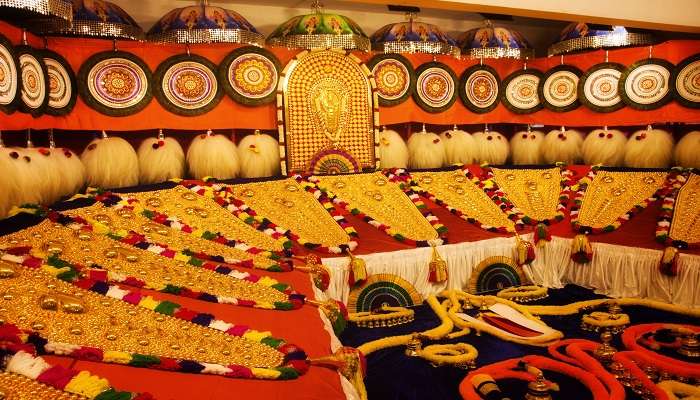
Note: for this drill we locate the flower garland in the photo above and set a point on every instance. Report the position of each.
(132, 204)
(461, 355)
(675, 390)
(580, 187)
(663, 224)
(523, 293)
(224, 197)
(575, 308)
(295, 363)
(598, 320)
(506, 208)
(32, 367)
(491, 188)
(394, 176)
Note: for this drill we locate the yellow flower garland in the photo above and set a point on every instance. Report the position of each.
(523, 293)
(574, 308)
(598, 320)
(458, 354)
(674, 389)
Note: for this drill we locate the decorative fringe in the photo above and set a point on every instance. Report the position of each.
(259, 155)
(393, 152)
(687, 152)
(491, 147)
(669, 261)
(160, 159)
(110, 162)
(650, 148)
(437, 267)
(351, 363)
(562, 146)
(604, 146)
(525, 147)
(524, 251)
(459, 147)
(542, 235)
(425, 150)
(10, 185)
(214, 156)
(358, 270)
(581, 250)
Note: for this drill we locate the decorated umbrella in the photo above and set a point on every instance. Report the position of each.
(413, 37)
(21, 10)
(203, 23)
(320, 30)
(582, 36)
(491, 41)
(91, 18)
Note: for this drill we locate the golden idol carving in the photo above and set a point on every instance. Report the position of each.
(328, 101)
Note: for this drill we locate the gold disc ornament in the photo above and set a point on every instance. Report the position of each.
(34, 79)
(687, 82)
(62, 88)
(645, 85)
(115, 83)
(480, 88)
(598, 87)
(9, 76)
(520, 91)
(250, 75)
(394, 76)
(186, 85)
(435, 87)
(558, 88)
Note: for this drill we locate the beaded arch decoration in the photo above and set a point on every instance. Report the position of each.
(383, 290)
(329, 101)
(495, 273)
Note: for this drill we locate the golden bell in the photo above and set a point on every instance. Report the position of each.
(690, 346)
(538, 389)
(414, 345)
(605, 352)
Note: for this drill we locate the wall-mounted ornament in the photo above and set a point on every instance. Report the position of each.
(9, 77)
(435, 87)
(598, 87)
(91, 18)
(413, 37)
(115, 83)
(558, 88)
(203, 23)
(250, 75)
(646, 84)
(186, 84)
(394, 76)
(686, 79)
(34, 80)
(62, 87)
(480, 88)
(520, 91)
(578, 36)
(491, 41)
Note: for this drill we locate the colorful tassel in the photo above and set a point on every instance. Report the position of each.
(335, 311)
(358, 270)
(669, 262)
(437, 267)
(581, 250)
(525, 251)
(351, 363)
(542, 235)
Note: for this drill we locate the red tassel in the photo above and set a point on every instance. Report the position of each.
(542, 235)
(524, 251)
(437, 268)
(581, 250)
(669, 262)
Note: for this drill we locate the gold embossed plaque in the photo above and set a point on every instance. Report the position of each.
(287, 204)
(686, 213)
(455, 190)
(535, 192)
(327, 114)
(612, 194)
(384, 201)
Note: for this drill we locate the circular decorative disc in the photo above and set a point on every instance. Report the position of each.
(34, 80)
(9, 76)
(115, 83)
(558, 88)
(687, 82)
(187, 85)
(435, 87)
(644, 85)
(598, 87)
(479, 88)
(394, 76)
(62, 86)
(250, 75)
(520, 94)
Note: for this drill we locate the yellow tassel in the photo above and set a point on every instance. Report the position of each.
(437, 267)
(669, 255)
(358, 270)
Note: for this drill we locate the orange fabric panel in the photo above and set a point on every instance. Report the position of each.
(229, 114)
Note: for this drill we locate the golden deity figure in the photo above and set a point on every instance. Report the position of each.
(329, 104)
